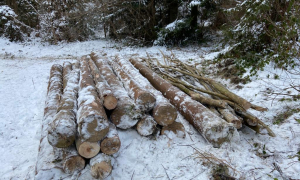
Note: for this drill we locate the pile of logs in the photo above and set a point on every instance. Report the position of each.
(215, 96)
(86, 102)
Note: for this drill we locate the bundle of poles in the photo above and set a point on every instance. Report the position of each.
(86, 103)
(215, 96)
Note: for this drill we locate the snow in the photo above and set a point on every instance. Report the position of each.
(24, 73)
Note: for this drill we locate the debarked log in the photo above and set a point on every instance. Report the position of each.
(101, 166)
(105, 92)
(214, 129)
(143, 98)
(111, 143)
(125, 115)
(164, 113)
(91, 117)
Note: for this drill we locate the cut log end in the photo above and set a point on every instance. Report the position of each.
(146, 126)
(164, 114)
(218, 134)
(125, 117)
(101, 166)
(110, 145)
(110, 102)
(145, 101)
(93, 128)
(88, 149)
(73, 164)
(62, 133)
(176, 129)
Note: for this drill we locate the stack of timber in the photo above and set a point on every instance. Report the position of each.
(74, 127)
(215, 96)
(163, 113)
(151, 109)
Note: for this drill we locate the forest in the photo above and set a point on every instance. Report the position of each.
(150, 89)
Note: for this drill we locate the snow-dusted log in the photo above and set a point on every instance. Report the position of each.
(91, 117)
(164, 113)
(87, 149)
(212, 128)
(105, 92)
(230, 117)
(70, 159)
(146, 126)
(67, 68)
(111, 143)
(101, 166)
(51, 161)
(176, 129)
(62, 131)
(125, 115)
(143, 98)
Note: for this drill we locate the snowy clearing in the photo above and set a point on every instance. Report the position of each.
(24, 73)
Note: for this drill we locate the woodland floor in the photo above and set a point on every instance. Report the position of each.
(24, 73)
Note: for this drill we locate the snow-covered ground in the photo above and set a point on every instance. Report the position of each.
(24, 72)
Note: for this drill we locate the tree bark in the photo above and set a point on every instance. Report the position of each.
(143, 99)
(62, 130)
(52, 160)
(176, 128)
(164, 113)
(105, 92)
(87, 149)
(91, 117)
(231, 118)
(146, 126)
(111, 143)
(101, 166)
(212, 128)
(125, 115)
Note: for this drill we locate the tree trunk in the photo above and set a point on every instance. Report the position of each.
(87, 149)
(111, 143)
(91, 116)
(62, 130)
(212, 128)
(143, 99)
(146, 126)
(176, 129)
(52, 160)
(69, 158)
(101, 166)
(231, 118)
(105, 92)
(163, 112)
(125, 115)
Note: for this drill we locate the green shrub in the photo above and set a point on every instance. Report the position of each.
(267, 32)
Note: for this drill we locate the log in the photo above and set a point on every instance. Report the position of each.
(87, 149)
(62, 130)
(164, 113)
(67, 68)
(125, 115)
(101, 166)
(91, 117)
(105, 92)
(230, 117)
(143, 98)
(111, 143)
(146, 126)
(69, 159)
(51, 161)
(214, 129)
(176, 129)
